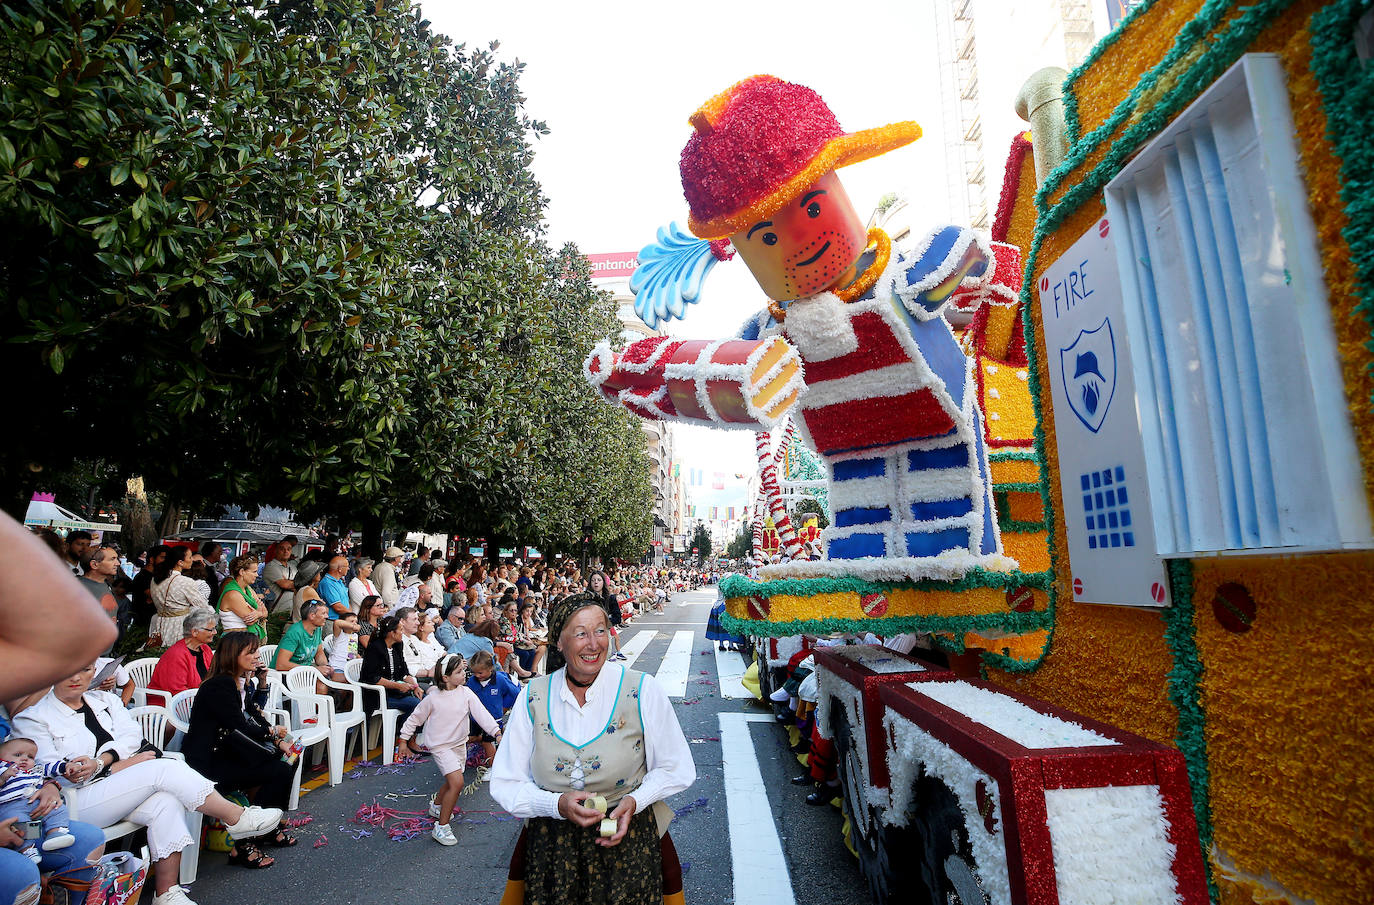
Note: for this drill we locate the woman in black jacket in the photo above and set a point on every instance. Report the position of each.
(384, 664)
(599, 586)
(231, 743)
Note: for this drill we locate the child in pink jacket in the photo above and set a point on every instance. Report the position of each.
(445, 713)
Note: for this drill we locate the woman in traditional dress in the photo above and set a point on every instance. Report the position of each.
(591, 729)
(715, 629)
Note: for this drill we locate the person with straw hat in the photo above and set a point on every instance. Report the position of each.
(589, 754)
(852, 341)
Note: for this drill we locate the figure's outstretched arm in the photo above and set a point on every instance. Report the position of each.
(743, 383)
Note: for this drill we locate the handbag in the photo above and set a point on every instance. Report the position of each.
(246, 746)
(117, 879)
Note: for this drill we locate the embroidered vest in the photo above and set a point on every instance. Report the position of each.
(612, 764)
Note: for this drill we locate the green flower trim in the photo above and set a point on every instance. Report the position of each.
(1011, 526)
(1071, 80)
(740, 586)
(1185, 682)
(1017, 487)
(1013, 455)
(1223, 49)
(895, 625)
(1347, 88)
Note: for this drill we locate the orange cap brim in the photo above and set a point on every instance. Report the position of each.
(853, 147)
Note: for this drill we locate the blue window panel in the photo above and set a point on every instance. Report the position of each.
(924, 512)
(948, 457)
(1121, 495)
(1092, 541)
(1125, 518)
(1128, 539)
(856, 546)
(1084, 481)
(1120, 475)
(1098, 498)
(847, 518)
(1102, 541)
(1090, 523)
(1087, 504)
(1111, 497)
(936, 542)
(1111, 519)
(1116, 540)
(1097, 479)
(1106, 477)
(853, 469)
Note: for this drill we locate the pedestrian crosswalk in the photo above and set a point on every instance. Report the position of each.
(636, 644)
(672, 672)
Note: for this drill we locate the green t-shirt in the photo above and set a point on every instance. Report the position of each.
(302, 643)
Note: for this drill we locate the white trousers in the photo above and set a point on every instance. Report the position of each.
(156, 794)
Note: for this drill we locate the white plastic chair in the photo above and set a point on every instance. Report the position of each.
(300, 688)
(388, 715)
(268, 654)
(141, 672)
(179, 709)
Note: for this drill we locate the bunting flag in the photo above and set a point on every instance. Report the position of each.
(677, 470)
(694, 477)
(718, 481)
(713, 513)
(730, 513)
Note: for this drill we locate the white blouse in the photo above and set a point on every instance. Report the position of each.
(357, 590)
(666, 752)
(61, 734)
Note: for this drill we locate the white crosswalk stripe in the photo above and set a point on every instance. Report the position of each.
(635, 646)
(729, 670)
(760, 870)
(672, 672)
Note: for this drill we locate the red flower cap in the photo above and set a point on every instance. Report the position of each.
(761, 142)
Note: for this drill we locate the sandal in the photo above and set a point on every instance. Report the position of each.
(281, 839)
(247, 854)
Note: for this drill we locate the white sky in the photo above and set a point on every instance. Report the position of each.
(615, 81)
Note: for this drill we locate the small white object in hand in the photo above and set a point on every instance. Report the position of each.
(608, 828)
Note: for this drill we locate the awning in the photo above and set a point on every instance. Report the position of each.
(44, 513)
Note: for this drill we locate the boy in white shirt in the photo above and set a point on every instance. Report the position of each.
(343, 646)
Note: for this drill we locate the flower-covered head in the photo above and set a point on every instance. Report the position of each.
(759, 169)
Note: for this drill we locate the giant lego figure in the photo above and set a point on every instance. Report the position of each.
(853, 342)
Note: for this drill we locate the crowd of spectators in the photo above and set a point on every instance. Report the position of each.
(416, 621)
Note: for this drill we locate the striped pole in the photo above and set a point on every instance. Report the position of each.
(768, 481)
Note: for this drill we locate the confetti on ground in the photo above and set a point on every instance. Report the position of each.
(699, 804)
(321, 842)
(299, 820)
(705, 738)
(705, 672)
(691, 700)
(686, 866)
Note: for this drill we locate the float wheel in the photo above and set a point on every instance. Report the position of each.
(881, 847)
(946, 870)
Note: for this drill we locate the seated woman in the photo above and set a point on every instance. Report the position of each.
(372, 610)
(233, 744)
(174, 595)
(240, 609)
(184, 665)
(508, 627)
(384, 664)
(530, 640)
(422, 649)
(117, 778)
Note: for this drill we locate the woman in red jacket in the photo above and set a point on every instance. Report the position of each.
(185, 665)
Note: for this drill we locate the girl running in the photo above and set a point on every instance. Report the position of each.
(445, 713)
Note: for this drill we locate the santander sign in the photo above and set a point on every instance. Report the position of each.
(617, 265)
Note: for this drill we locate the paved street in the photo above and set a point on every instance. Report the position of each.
(758, 843)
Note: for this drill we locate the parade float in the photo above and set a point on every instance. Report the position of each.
(1157, 456)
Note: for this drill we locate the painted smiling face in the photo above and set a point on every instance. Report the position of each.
(809, 245)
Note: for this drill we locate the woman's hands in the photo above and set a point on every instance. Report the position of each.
(570, 807)
(621, 815)
(46, 801)
(125, 762)
(80, 769)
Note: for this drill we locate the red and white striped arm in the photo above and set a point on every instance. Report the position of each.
(725, 383)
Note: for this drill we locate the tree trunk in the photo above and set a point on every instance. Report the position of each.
(372, 536)
(494, 544)
(171, 519)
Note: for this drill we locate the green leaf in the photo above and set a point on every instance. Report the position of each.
(119, 173)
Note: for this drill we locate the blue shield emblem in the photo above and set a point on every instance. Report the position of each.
(1089, 370)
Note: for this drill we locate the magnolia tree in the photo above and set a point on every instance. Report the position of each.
(280, 252)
